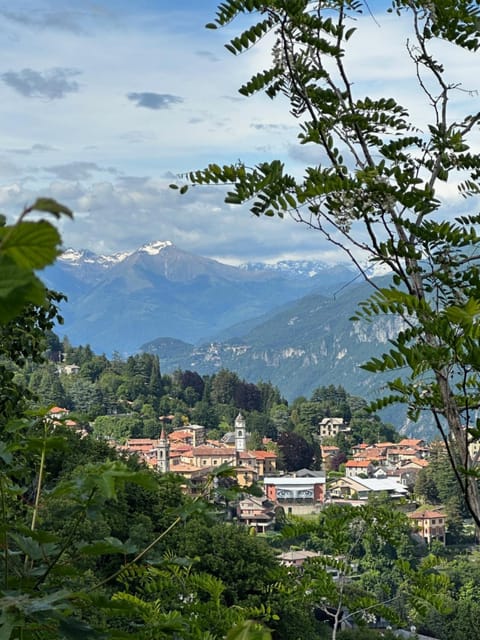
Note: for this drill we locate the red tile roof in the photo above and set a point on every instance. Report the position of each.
(427, 514)
(180, 435)
(205, 450)
(419, 462)
(358, 463)
(410, 442)
(264, 455)
(55, 410)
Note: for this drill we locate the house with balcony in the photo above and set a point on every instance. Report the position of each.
(355, 468)
(263, 462)
(297, 495)
(256, 512)
(430, 524)
(331, 427)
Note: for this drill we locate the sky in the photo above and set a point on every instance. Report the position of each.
(104, 103)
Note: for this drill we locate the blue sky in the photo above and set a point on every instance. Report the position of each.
(102, 103)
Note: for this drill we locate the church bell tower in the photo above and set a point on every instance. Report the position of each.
(240, 433)
(163, 453)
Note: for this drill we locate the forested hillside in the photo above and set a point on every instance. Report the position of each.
(101, 546)
(123, 398)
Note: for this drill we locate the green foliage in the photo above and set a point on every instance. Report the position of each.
(67, 504)
(25, 247)
(296, 452)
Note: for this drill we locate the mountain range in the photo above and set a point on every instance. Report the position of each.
(288, 323)
(119, 302)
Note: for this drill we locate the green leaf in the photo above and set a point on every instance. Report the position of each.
(51, 206)
(32, 245)
(249, 630)
(8, 621)
(18, 288)
(108, 546)
(74, 629)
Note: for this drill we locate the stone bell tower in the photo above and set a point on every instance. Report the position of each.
(163, 453)
(240, 434)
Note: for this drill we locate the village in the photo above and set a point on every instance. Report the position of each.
(383, 468)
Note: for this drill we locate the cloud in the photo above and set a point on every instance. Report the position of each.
(138, 137)
(51, 84)
(272, 127)
(7, 168)
(73, 21)
(35, 148)
(208, 55)
(77, 170)
(151, 100)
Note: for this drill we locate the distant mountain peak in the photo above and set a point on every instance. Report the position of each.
(155, 247)
(84, 256)
(75, 257)
(301, 267)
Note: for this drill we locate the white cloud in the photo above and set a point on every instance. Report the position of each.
(112, 162)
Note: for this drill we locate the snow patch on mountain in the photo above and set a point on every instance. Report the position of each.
(115, 259)
(77, 257)
(72, 255)
(154, 248)
(308, 268)
(294, 268)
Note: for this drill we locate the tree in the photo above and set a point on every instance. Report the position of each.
(296, 452)
(223, 386)
(372, 543)
(280, 416)
(262, 425)
(193, 380)
(376, 189)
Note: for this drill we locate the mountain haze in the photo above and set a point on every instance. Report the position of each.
(288, 323)
(117, 303)
(308, 343)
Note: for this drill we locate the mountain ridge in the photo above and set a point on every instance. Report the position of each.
(118, 302)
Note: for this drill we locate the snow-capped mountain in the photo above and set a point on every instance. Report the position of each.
(309, 268)
(84, 256)
(117, 302)
(154, 248)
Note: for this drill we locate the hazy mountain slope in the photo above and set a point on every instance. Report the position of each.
(309, 343)
(116, 303)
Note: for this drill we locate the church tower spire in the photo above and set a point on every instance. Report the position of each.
(163, 453)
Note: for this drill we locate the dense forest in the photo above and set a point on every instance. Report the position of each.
(122, 398)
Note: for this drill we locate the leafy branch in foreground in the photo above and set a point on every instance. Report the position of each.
(27, 246)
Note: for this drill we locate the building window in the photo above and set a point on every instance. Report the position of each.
(215, 461)
(239, 434)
